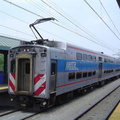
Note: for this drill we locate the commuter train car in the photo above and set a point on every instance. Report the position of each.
(45, 72)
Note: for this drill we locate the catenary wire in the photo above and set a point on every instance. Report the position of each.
(102, 19)
(109, 17)
(53, 22)
(70, 20)
(28, 24)
(15, 30)
(57, 24)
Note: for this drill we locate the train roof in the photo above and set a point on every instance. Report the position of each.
(79, 48)
(61, 45)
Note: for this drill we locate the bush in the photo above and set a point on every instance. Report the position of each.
(1, 62)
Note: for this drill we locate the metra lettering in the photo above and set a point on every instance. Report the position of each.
(71, 66)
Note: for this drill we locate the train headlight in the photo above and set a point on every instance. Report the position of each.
(24, 50)
(11, 55)
(28, 50)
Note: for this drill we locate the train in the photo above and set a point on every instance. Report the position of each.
(41, 73)
(44, 72)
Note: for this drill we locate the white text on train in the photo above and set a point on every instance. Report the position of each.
(71, 66)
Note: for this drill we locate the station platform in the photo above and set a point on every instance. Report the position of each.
(3, 88)
(116, 113)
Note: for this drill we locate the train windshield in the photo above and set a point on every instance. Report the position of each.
(12, 66)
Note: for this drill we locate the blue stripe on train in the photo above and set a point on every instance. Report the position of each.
(73, 65)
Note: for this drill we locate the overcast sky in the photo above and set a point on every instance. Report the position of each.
(76, 22)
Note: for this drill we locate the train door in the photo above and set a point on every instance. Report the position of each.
(24, 74)
(53, 76)
(100, 67)
(53, 82)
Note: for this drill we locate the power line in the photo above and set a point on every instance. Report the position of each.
(109, 17)
(42, 17)
(27, 24)
(101, 44)
(13, 16)
(16, 30)
(101, 19)
(23, 8)
(36, 5)
(70, 20)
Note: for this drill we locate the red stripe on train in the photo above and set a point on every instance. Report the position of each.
(11, 85)
(40, 89)
(37, 78)
(14, 76)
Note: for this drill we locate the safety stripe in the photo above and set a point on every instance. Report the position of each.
(11, 85)
(39, 84)
(12, 82)
(37, 78)
(40, 89)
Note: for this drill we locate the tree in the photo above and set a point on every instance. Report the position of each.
(1, 62)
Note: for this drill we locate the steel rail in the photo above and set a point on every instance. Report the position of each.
(86, 111)
(112, 110)
(7, 113)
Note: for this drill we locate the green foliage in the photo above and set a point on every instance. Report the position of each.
(1, 62)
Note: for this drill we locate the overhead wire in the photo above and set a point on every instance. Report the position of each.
(15, 30)
(37, 6)
(56, 24)
(70, 20)
(102, 19)
(109, 17)
(27, 24)
(42, 17)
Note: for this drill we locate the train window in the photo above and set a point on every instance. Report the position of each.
(108, 60)
(13, 66)
(94, 58)
(85, 57)
(71, 76)
(79, 56)
(100, 58)
(89, 74)
(27, 68)
(117, 70)
(53, 67)
(79, 75)
(90, 57)
(94, 72)
(85, 74)
(105, 60)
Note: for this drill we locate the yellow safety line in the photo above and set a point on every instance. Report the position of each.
(116, 114)
(2, 88)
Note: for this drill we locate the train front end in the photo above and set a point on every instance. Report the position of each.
(27, 75)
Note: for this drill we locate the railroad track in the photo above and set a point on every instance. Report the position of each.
(108, 116)
(7, 112)
(18, 114)
(67, 111)
(91, 113)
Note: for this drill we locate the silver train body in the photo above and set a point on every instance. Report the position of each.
(43, 73)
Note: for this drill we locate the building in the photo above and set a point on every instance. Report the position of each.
(5, 44)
